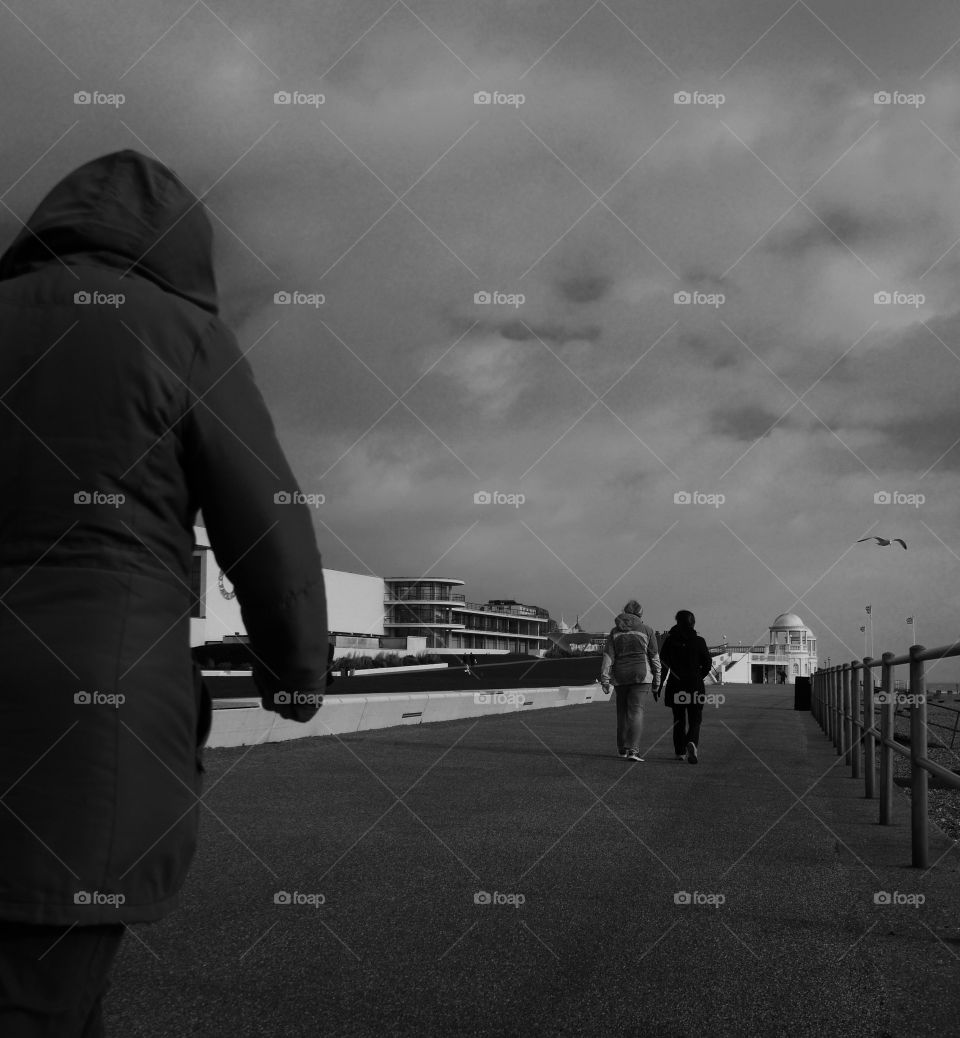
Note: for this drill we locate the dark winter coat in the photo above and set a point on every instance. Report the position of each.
(127, 406)
(689, 660)
(630, 653)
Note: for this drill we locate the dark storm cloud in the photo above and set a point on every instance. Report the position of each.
(584, 288)
(554, 333)
(742, 423)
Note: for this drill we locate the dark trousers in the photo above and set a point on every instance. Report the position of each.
(53, 978)
(686, 725)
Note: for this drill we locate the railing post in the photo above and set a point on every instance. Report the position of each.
(831, 708)
(847, 728)
(855, 726)
(835, 706)
(919, 776)
(886, 736)
(870, 740)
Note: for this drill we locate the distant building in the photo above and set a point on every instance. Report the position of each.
(452, 625)
(371, 616)
(790, 652)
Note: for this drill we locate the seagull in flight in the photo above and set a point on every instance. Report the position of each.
(884, 542)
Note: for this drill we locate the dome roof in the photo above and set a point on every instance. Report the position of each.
(788, 620)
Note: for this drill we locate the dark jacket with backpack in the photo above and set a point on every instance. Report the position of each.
(689, 660)
(128, 406)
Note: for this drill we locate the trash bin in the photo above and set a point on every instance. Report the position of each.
(801, 693)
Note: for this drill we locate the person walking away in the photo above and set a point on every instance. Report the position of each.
(686, 656)
(127, 407)
(630, 658)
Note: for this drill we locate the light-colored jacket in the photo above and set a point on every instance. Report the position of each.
(630, 655)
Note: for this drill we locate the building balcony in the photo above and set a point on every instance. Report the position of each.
(411, 600)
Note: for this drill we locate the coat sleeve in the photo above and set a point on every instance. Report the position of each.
(706, 660)
(606, 664)
(261, 534)
(653, 658)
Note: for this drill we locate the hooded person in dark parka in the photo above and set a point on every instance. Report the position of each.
(687, 656)
(126, 407)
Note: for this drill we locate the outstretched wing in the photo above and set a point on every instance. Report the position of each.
(900, 540)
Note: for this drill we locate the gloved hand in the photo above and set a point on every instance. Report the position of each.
(292, 707)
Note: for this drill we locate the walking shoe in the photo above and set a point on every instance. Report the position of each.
(621, 753)
(691, 753)
(634, 755)
(680, 756)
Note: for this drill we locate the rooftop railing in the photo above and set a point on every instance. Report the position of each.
(844, 700)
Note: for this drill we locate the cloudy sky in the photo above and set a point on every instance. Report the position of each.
(781, 399)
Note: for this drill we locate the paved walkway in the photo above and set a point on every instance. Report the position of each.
(399, 829)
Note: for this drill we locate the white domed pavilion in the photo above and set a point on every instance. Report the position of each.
(790, 652)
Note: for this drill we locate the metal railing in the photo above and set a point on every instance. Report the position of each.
(843, 701)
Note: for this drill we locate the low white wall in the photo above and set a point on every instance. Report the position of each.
(243, 725)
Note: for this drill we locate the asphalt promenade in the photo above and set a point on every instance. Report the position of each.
(383, 841)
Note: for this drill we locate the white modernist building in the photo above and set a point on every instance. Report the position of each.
(790, 652)
(370, 616)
